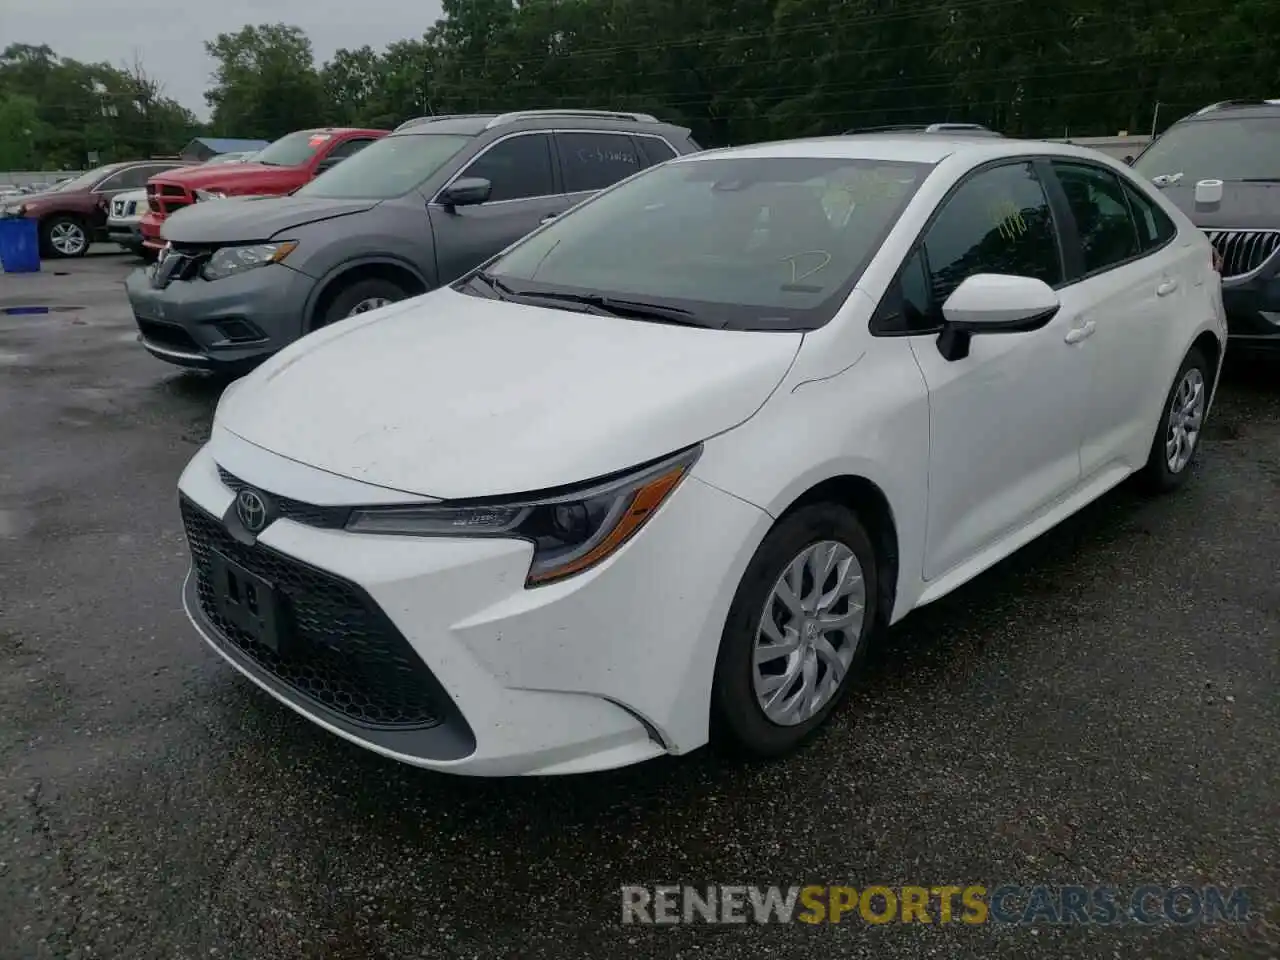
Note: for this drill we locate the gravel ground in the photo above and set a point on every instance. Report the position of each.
(1102, 708)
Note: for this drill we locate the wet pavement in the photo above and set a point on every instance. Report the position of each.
(1103, 708)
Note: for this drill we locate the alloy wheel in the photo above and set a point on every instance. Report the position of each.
(372, 303)
(1186, 415)
(67, 238)
(809, 632)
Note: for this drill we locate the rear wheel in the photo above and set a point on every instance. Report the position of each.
(1177, 439)
(361, 297)
(63, 236)
(796, 632)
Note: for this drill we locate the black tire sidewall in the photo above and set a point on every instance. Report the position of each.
(737, 720)
(340, 306)
(1157, 475)
(46, 232)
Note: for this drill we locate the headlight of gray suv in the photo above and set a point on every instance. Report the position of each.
(233, 261)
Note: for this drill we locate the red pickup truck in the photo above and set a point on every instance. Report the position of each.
(280, 168)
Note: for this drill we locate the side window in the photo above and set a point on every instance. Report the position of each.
(1155, 229)
(117, 181)
(998, 221)
(346, 149)
(1107, 233)
(518, 168)
(655, 151)
(593, 161)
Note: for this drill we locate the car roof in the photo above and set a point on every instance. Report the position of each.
(930, 148)
(1233, 110)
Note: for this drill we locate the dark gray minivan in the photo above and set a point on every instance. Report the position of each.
(242, 278)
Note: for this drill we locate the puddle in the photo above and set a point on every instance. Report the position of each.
(27, 311)
(14, 523)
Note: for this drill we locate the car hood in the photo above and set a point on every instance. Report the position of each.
(1244, 206)
(242, 219)
(231, 175)
(454, 396)
(41, 197)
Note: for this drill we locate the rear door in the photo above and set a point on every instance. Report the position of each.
(1127, 289)
(591, 160)
(525, 193)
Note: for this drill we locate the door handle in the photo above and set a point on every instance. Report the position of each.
(1076, 334)
(548, 218)
(1166, 287)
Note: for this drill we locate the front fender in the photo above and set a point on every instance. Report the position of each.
(337, 272)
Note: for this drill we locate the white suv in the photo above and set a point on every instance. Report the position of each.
(661, 470)
(124, 221)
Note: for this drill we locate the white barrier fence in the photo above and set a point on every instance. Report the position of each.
(20, 178)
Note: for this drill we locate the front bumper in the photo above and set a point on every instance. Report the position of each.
(149, 226)
(127, 235)
(1253, 311)
(608, 668)
(231, 324)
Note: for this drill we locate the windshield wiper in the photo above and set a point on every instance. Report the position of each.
(620, 307)
(1259, 180)
(503, 291)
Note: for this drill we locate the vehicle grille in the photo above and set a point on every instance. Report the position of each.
(345, 655)
(332, 518)
(1243, 251)
(167, 197)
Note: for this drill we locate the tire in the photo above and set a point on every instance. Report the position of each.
(360, 297)
(1183, 409)
(63, 237)
(739, 718)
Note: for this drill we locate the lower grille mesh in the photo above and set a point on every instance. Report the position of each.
(346, 655)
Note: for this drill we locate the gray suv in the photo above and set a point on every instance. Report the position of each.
(242, 278)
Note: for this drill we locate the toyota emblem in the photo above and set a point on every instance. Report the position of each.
(251, 508)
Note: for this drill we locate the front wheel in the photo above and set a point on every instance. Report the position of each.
(796, 631)
(361, 297)
(1177, 438)
(64, 237)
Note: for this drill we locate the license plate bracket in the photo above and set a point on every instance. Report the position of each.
(249, 603)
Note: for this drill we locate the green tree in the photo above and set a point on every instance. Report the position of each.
(118, 113)
(265, 84)
(19, 128)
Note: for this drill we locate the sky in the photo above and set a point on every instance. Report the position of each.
(168, 35)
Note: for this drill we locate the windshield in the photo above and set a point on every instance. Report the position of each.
(1237, 149)
(87, 180)
(293, 150)
(387, 168)
(742, 243)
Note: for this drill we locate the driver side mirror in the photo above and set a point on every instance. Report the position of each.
(465, 192)
(987, 303)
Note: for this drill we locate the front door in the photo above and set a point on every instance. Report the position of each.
(524, 195)
(1004, 422)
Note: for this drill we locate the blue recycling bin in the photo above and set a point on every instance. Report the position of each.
(19, 245)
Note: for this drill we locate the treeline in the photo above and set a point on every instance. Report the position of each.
(734, 70)
(739, 70)
(55, 112)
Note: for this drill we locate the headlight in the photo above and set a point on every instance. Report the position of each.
(570, 532)
(210, 195)
(230, 261)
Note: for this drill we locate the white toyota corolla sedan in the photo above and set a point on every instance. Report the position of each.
(660, 471)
